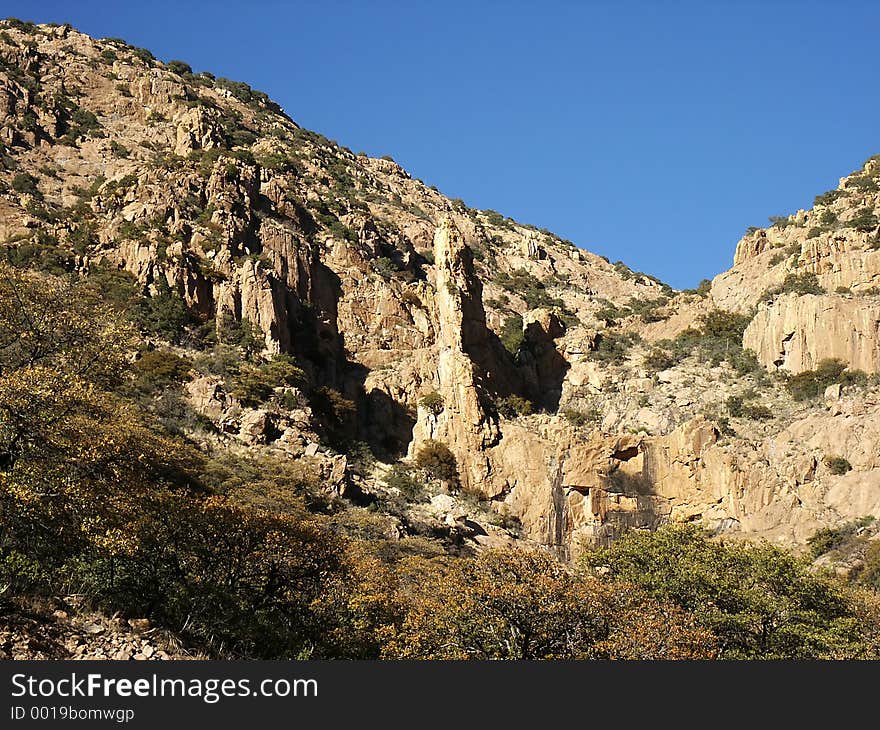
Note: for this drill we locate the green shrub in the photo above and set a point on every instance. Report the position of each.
(400, 477)
(582, 418)
(718, 340)
(812, 383)
(240, 333)
(257, 384)
(828, 218)
(179, 67)
(826, 539)
(385, 267)
(734, 406)
(611, 348)
(610, 313)
(437, 461)
(863, 183)
(532, 290)
(870, 575)
(79, 122)
(781, 221)
(837, 465)
(26, 184)
(795, 284)
(118, 150)
(158, 369)
(739, 592)
(165, 315)
(704, 287)
(512, 406)
(512, 336)
(658, 359)
(865, 220)
(432, 402)
(827, 198)
(337, 414)
(756, 412)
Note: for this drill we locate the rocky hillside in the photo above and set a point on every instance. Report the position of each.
(448, 369)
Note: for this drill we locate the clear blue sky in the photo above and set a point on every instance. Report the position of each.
(649, 132)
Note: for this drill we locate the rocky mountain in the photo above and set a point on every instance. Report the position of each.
(534, 390)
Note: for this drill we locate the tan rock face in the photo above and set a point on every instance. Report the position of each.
(463, 424)
(794, 333)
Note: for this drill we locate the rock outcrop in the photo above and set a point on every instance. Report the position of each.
(794, 333)
(463, 423)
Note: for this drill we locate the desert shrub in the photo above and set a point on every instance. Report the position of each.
(531, 289)
(647, 309)
(385, 267)
(795, 284)
(812, 383)
(336, 413)
(118, 150)
(512, 406)
(165, 315)
(432, 402)
(870, 574)
(827, 198)
(494, 218)
(437, 461)
(718, 340)
(240, 333)
(159, 369)
(179, 67)
(512, 336)
(828, 219)
(756, 412)
(26, 184)
(864, 220)
(609, 313)
(256, 384)
(734, 406)
(863, 183)
(837, 465)
(611, 348)
(739, 592)
(658, 359)
(276, 484)
(78, 122)
(826, 539)
(238, 581)
(524, 605)
(582, 417)
(401, 478)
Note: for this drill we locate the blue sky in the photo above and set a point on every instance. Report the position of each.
(651, 132)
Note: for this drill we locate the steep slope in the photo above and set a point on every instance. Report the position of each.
(576, 397)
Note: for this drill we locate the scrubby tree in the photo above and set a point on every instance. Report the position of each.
(760, 601)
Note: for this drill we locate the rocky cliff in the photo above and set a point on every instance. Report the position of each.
(577, 397)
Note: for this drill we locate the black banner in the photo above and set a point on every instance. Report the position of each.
(396, 694)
